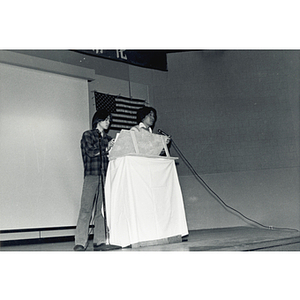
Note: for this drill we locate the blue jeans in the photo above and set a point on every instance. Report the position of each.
(91, 189)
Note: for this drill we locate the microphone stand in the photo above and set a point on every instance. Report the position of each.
(104, 246)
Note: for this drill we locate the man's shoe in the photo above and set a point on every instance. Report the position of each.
(106, 247)
(98, 247)
(79, 248)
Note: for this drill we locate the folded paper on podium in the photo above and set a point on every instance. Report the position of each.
(142, 143)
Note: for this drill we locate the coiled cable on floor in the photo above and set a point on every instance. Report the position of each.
(231, 209)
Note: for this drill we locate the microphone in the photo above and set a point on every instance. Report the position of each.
(163, 133)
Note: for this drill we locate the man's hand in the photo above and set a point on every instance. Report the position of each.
(110, 144)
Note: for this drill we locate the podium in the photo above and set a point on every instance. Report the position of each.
(144, 204)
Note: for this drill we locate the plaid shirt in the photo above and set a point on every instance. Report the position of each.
(90, 150)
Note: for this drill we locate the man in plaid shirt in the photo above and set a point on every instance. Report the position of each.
(95, 145)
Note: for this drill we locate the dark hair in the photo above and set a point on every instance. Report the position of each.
(143, 112)
(100, 115)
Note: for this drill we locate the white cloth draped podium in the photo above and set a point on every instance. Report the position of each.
(143, 200)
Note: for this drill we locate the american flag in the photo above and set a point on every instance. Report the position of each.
(123, 109)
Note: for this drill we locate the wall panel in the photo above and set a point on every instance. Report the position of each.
(42, 117)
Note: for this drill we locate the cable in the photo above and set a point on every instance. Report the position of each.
(92, 221)
(219, 198)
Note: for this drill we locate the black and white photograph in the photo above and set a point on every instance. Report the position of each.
(179, 163)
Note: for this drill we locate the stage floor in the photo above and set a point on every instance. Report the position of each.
(219, 239)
